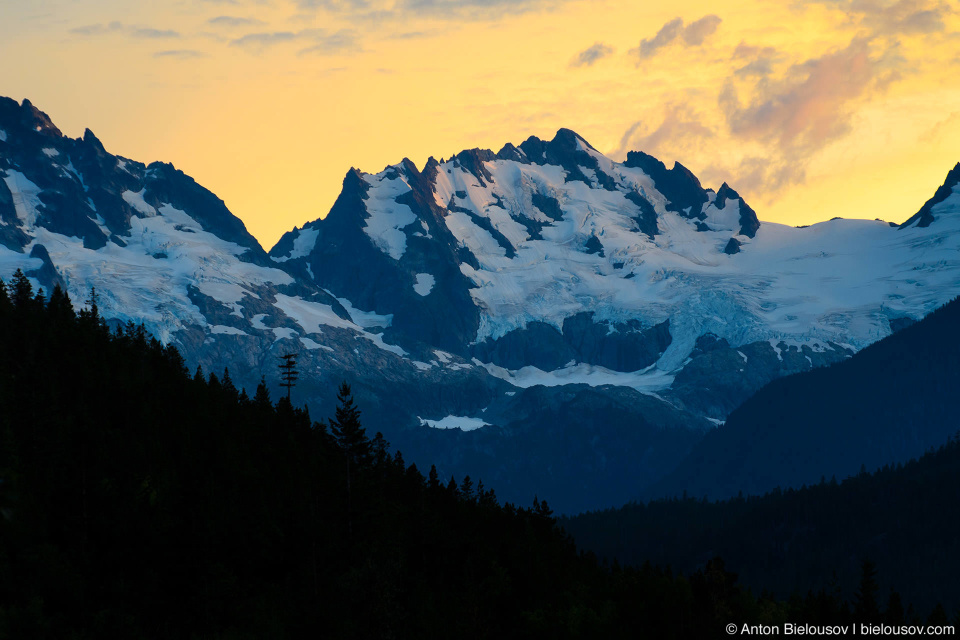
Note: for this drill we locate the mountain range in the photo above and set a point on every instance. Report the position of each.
(542, 317)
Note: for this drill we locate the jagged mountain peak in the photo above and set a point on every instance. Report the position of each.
(749, 223)
(570, 139)
(681, 187)
(925, 216)
(92, 141)
(26, 117)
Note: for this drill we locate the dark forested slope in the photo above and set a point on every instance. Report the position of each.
(137, 501)
(902, 518)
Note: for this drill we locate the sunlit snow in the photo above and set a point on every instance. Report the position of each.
(455, 422)
(424, 284)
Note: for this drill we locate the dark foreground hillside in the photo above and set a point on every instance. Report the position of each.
(137, 501)
(904, 519)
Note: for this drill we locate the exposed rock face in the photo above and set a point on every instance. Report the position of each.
(749, 223)
(679, 185)
(925, 216)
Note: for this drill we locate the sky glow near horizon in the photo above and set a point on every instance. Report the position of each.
(810, 109)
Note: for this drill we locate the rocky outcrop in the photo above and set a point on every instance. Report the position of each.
(679, 185)
(924, 217)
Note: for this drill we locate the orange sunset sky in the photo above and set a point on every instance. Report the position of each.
(811, 109)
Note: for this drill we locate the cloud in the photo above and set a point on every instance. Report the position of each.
(694, 34)
(180, 54)
(233, 21)
(317, 41)
(811, 105)
(757, 61)
(412, 35)
(937, 132)
(119, 27)
(259, 41)
(902, 17)
(765, 175)
(787, 119)
(472, 9)
(893, 17)
(680, 134)
(382, 10)
(667, 34)
(339, 6)
(154, 33)
(341, 41)
(592, 54)
(97, 29)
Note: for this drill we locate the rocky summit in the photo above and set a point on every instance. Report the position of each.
(542, 317)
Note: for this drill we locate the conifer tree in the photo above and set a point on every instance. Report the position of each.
(466, 488)
(5, 304)
(352, 439)
(866, 606)
(351, 436)
(60, 306)
(227, 383)
(893, 614)
(380, 446)
(22, 290)
(262, 397)
(92, 304)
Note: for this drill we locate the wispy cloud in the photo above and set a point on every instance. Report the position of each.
(334, 5)
(341, 41)
(414, 35)
(149, 33)
(938, 131)
(810, 105)
(893, 17)
(234, 21)
(680, 134)
(667, 34)
(260, 41)
(181, 54)
(118, 27)
(316, 41)
(756, 61)
(97, 29)
(383, 10)
(592, 54)
(800, 113)
(694, 34)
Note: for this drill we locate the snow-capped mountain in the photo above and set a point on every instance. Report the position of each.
(551, 264)
(579, 319)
